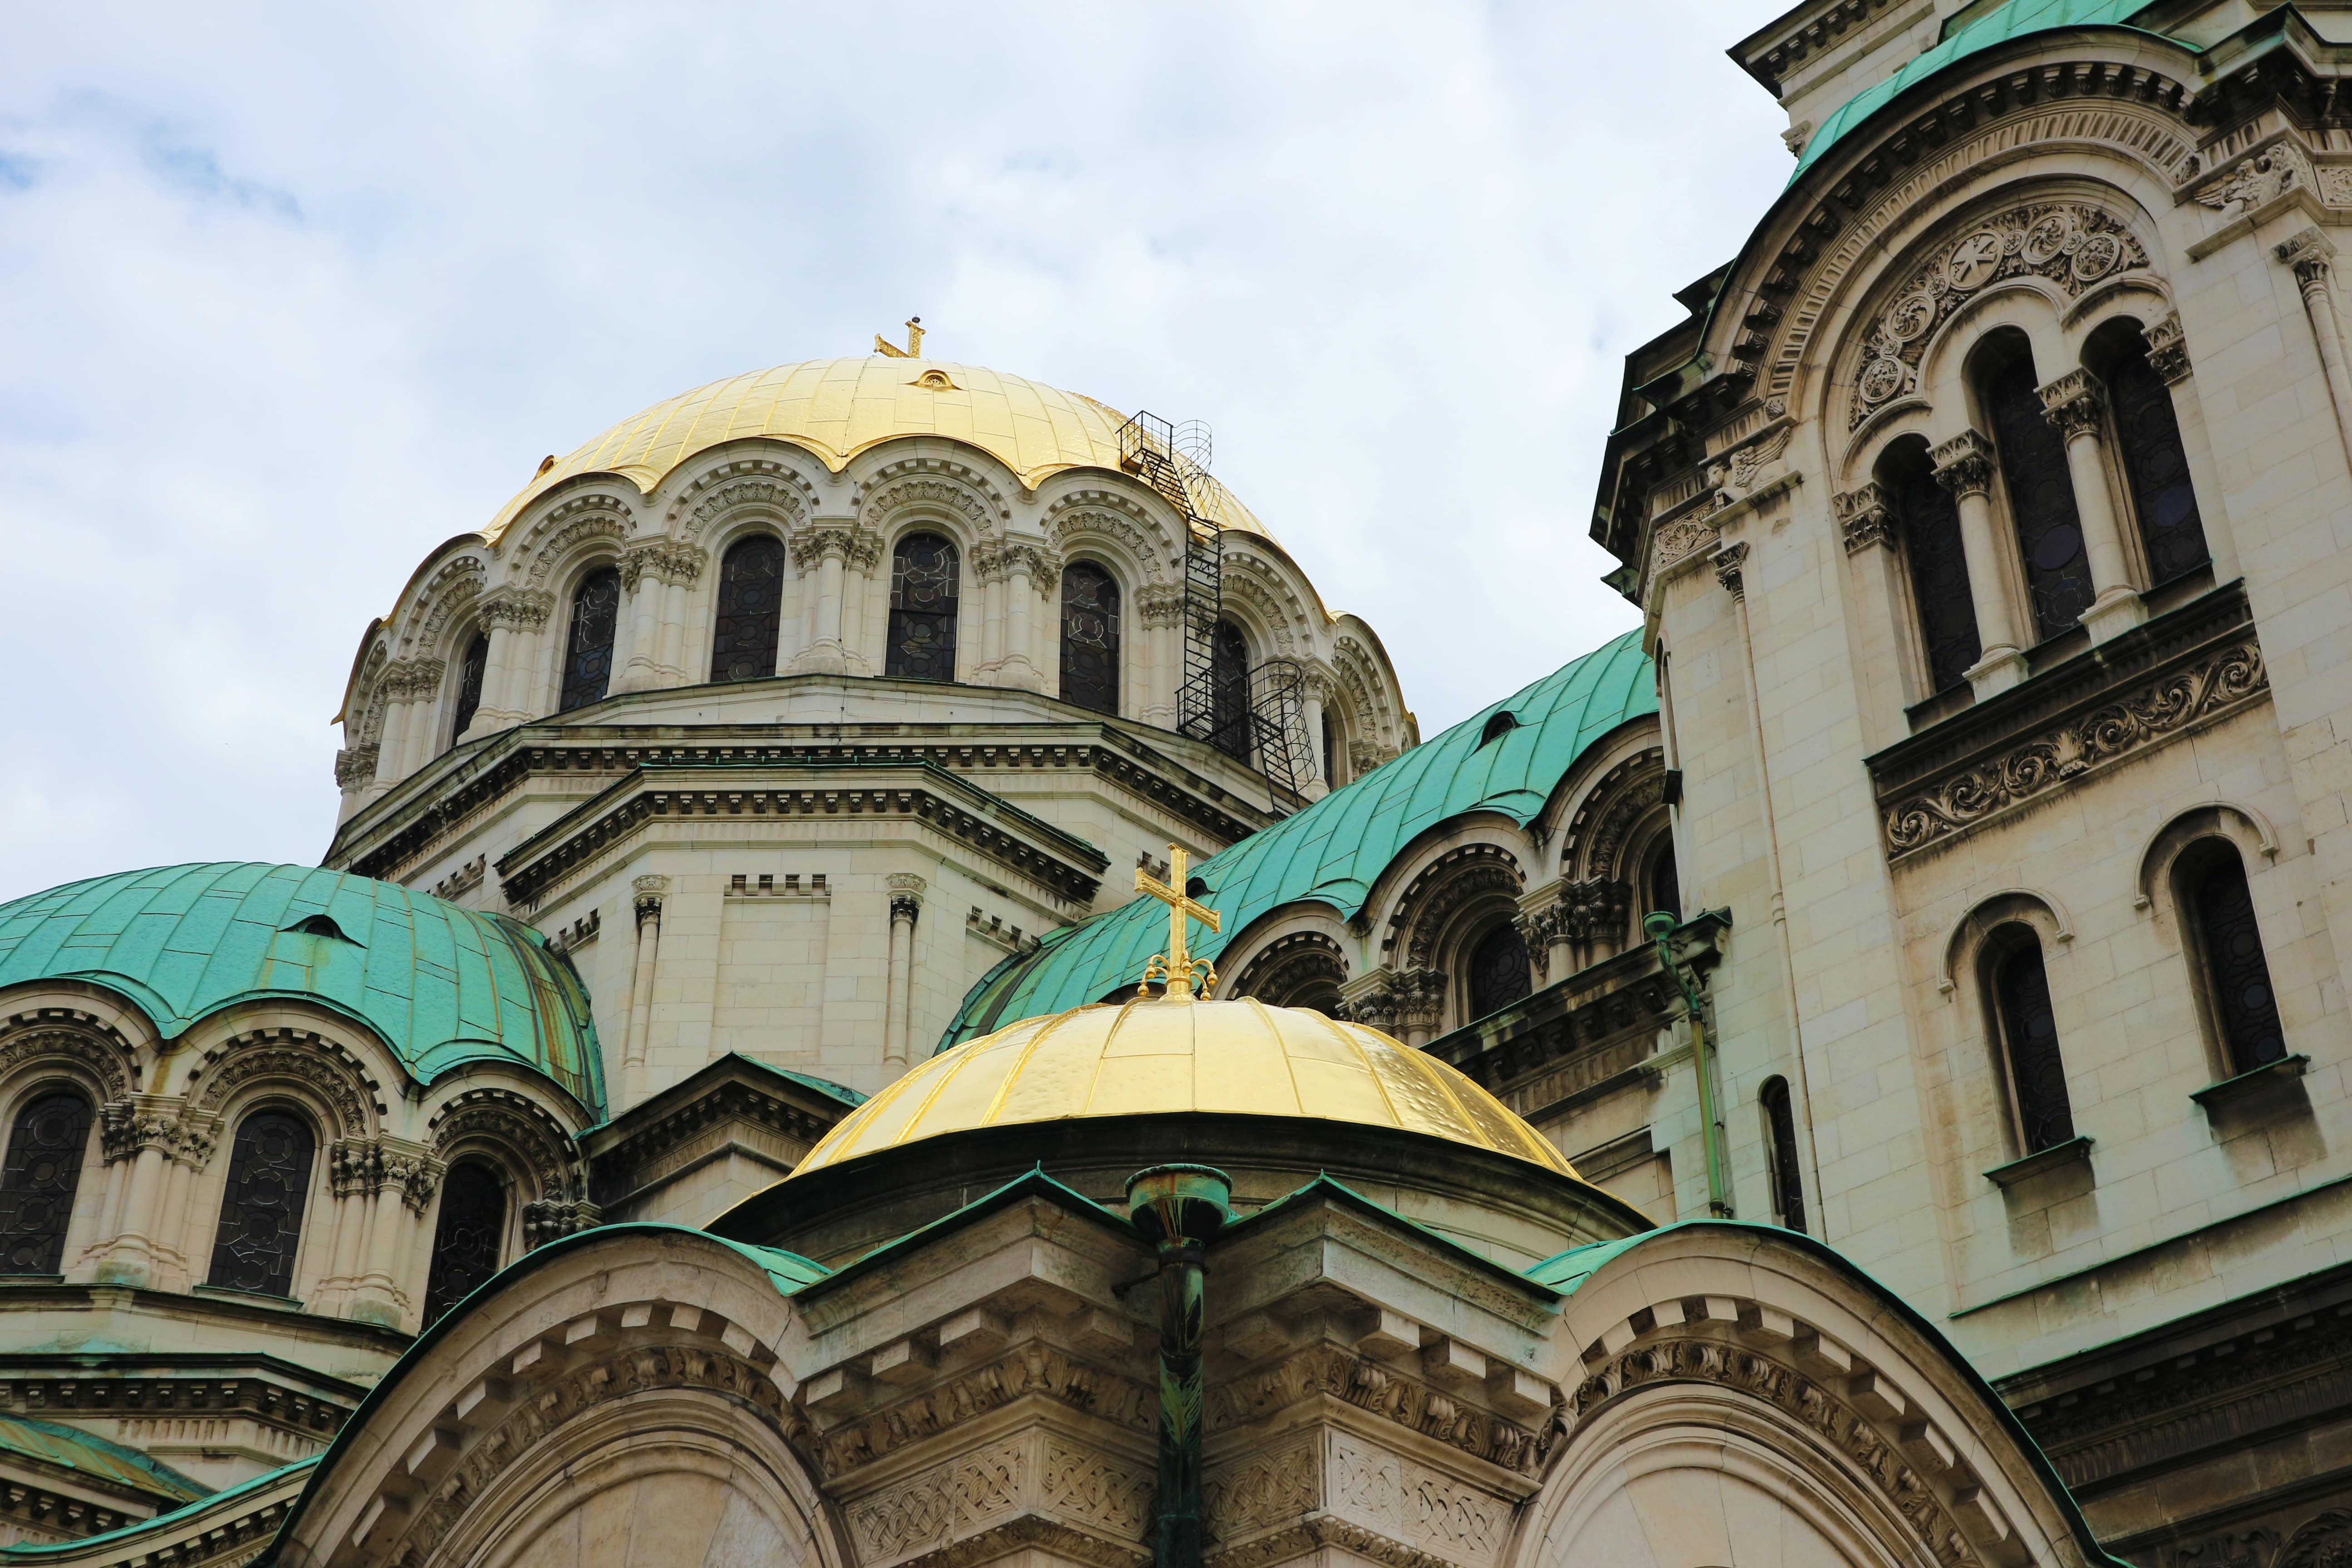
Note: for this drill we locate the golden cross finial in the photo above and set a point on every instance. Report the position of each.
(1177, 960)
(914, 349)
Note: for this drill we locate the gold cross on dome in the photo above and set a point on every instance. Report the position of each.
(914, 349)
(1177, 960)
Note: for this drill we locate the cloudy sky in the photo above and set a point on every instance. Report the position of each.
(290, 294)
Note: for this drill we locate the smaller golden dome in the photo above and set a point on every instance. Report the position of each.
(1172, 1054)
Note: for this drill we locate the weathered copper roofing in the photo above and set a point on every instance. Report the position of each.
(1333, 851)
(437, 983)
(71, 1448)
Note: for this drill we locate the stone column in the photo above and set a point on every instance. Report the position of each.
(137, 1128)
(649, 890)
(681, 569)
(1159, 612)
(1964, 467)
(1025, 567)
(515, 618)
(861, 554)
(2076, 404)
(906, 906)
(346, 1180)
(1311, 714)
(391, 741)
(823, 550)
(988, 570)
(2312, 256)
(423, 727)
(2167, 356)
(641, 580)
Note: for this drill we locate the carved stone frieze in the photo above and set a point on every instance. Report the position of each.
(296, 1056)
(1030, 1369)
(1264, 1490)
(1331, 1372)
(1679, 539)
(1304, 963)
(52, 1036)
(2070, 245)
(770, 492)
(2256, 180)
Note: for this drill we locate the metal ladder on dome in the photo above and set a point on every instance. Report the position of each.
(1258, 716)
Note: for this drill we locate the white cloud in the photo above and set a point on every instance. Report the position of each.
(293, 294)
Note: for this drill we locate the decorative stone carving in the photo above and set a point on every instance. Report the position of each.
(2073, 404)
(518, 609)
(1159, 605)
(1728, 562)
(1866, 518)
(84, 1046)
(905, 896)
(990, 563)
(1270, 1488)
(547, 1221)
(302, 1058)
(1964, 465)
(355, 766)
(2070, 244)
(1303, 962)
(519, 1129)
(364, 1167)
(2256, 181)
(2167, 352)
(663, 560)
(857, 548)
(1095, 1489)
(2309, 253)
(2156, 710)
(1031, 1368)
(939, 494)
(2322, 1541)
(771, 491)
(1680, 539)
(1331, 1372)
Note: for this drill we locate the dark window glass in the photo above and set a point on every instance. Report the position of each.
(2235, 969)
(2029, 1029)
(261, 1217)
(1229, 709)
(37, 1188)
(1330, 751)
(1665, 889)
(751, 604)
(1498, 970)
(469, 685)
(588, 652)
(2148, 437)
(1089, 637)
(466, 1236)
(923, 587)
(2040, 499)
(1939, 575)
(1780, 1125)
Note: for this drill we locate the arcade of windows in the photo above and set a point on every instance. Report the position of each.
(2011, 531)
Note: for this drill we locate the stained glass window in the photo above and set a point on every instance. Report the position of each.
(1781, 1130)
(923, 588)
(1089, 637)
(470, 670)
(1940, 573)
(1229, 705)
(261, 1216)
(2237, 975)
(751, 604)
(588, 651)
(467, 1238)
(36, 1185)
(2040, 499)
(2147, 435)
(1498, 970)
(2029, 1029)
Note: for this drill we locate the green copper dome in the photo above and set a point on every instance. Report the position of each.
(437, 984)
(1506, 759)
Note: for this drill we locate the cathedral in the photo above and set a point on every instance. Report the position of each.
(893, 989)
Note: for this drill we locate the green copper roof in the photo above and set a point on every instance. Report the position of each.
(438, 984)
(1334, 850)
(71, 1448)
(2014, 20)
(222, 1500)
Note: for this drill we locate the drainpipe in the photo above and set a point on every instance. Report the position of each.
(1660, 925)
(1178, 1208)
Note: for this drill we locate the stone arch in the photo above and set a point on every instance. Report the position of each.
(767, 487)
(1292, 967)
(315, 1071)
(950, 499)
(569, 538)
(443, 606)
(1127, 535)
(1271, 602)
(1374, 717)
(527, 1143)
(2242, 825)
(2030, 905)
(1456, 897)
(71, 1042)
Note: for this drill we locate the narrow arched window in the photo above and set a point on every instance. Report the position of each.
(1229, 704)
(588, 650)
(1089, 637)
(2029, 1040)
(2147, 439)
(750, 605)
(1780, 1155)
(466, 1236)
(470, 670)
(36, 1185)
(2237, 976)
(261, 1215)
(1938, 567)
(923, 589)
(1498, 970)
(1662, 884)
(2040, 498)
(1330, 751)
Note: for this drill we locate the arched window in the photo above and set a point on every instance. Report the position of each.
(1330, 751)
(2040, 497)
(1780, 1155)
(750, 605)
(2147, 439)
(1229, 705)
(588, 650)
(261, 1216)
(1662, 885)
(2221, 908)
(470, 670)
(466, 1236)
(1089, 637)
(1930, 521)
(2029, 1041)
(36, 1185)
(923, 588)
(1498, 970)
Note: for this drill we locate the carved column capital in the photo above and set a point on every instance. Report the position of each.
(649, 890)
(2073, 403)
(855, 547)
(2167, 352)
(1730, 563)
(355, 766)
(1964, 465)
(905, 896)
(664, 561)
(2311, 255)
(1866, 518)
(514, 609)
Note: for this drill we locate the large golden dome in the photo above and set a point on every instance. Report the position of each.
(838, 408)
(1151, 1056)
